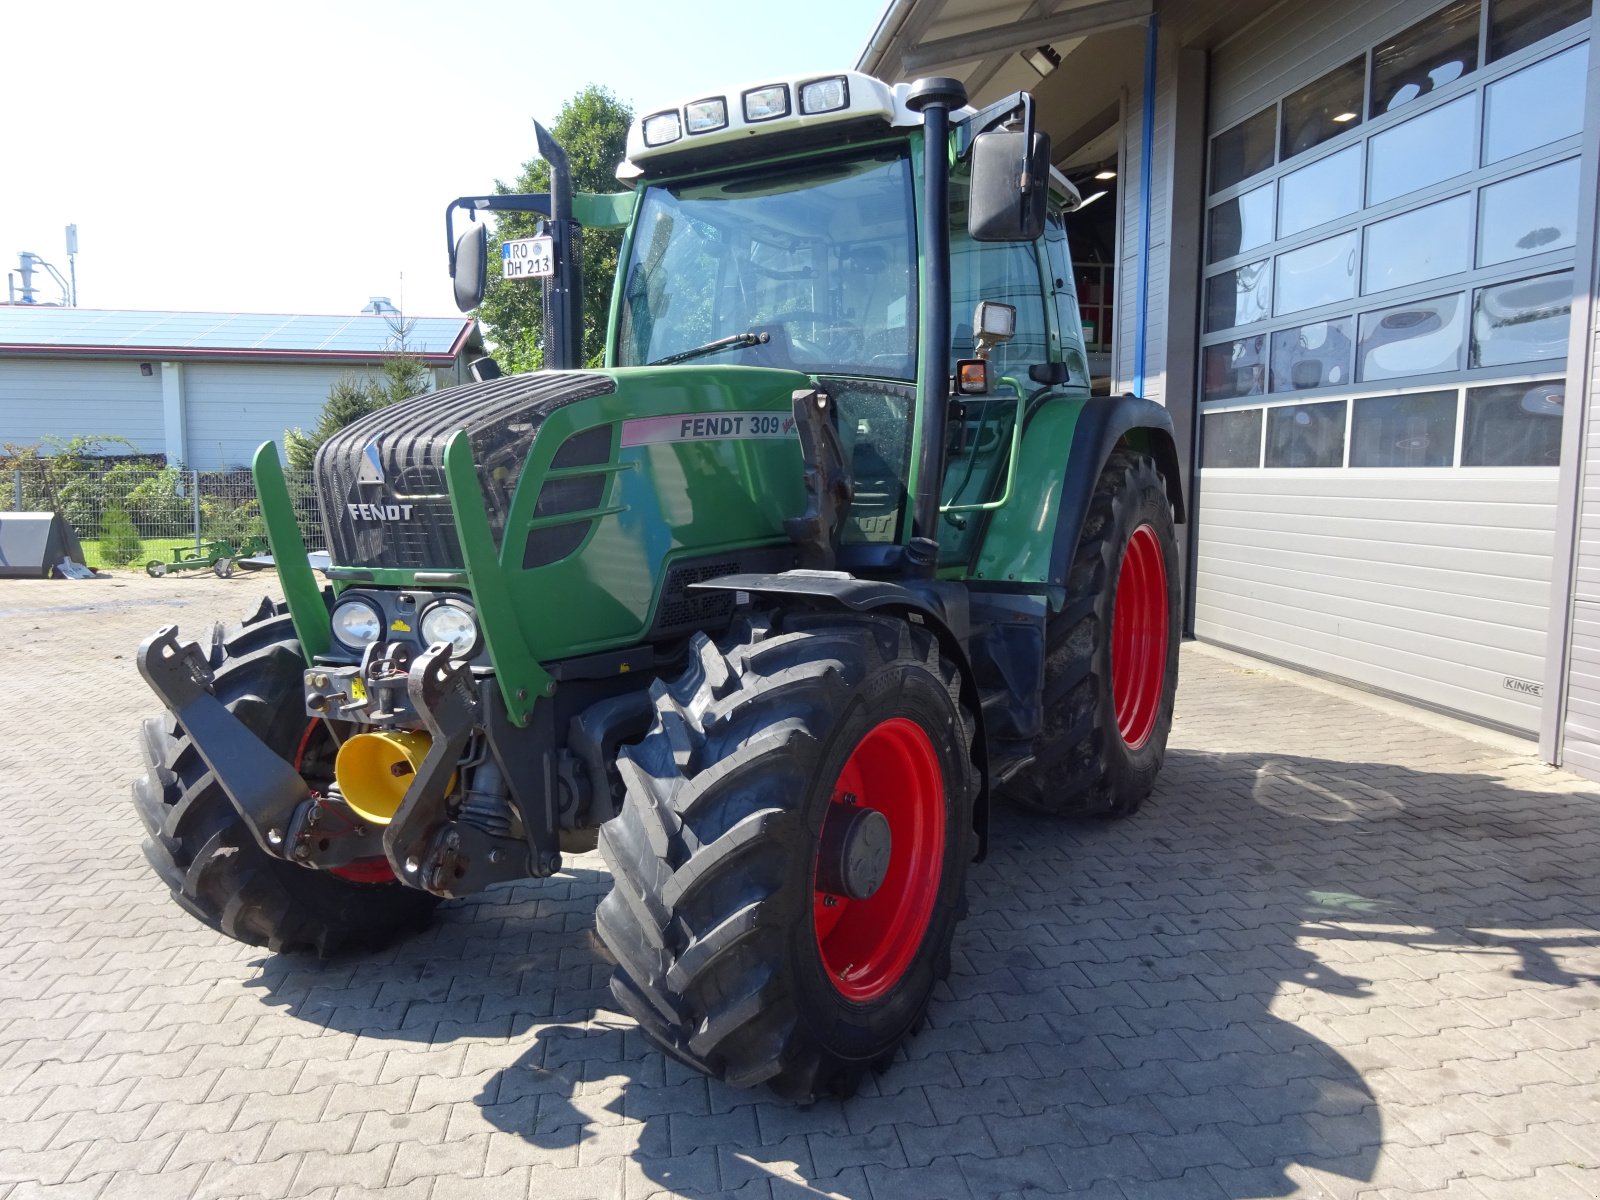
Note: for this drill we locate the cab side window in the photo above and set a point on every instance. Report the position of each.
(1008, 272)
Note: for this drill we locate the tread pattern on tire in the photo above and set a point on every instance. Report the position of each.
(1074, 770)
(709, 871)
(199, 846)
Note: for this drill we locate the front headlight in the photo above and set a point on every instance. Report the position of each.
(451, 621)
(356, 624)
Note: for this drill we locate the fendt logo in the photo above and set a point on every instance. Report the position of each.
(380, 512)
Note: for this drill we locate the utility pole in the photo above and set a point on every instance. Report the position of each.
(72, 263)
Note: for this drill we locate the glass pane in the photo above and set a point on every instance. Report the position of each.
(1514, 425)
(1321, 354)
(1435, 51)
(1232, 439)
(1514, 24)
(1241, 224)
(1324, 109)
(1306, 435)
(1422, 244)
(1418, 430)
(1529, 214)
(1319, 192)
(1414, 339)
(1237, 368)
(1426, 149)
(1520, 322)
(1536, 106)
(1238, 297)
(1240, 152)
(1321, 273)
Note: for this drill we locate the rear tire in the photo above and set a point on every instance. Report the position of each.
(739, 951)
(203, 850)
(1111, 673)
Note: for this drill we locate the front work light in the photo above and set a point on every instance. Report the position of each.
(706, 115)
(356, 624)
(451, 621)
(824, 95)
(662, 128)
(767, 103)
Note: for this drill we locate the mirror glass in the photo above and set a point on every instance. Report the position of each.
(472, 252)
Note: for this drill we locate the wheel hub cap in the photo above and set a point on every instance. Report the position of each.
(854, 859)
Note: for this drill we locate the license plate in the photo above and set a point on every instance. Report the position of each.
(528, 258)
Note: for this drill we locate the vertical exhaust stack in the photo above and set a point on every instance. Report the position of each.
(933, 99)
(564, 315)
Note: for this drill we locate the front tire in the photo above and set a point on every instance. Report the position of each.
(201, 847)
(790, 861)
(1111, 654)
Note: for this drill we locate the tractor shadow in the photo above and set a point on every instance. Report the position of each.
(1122, 1003)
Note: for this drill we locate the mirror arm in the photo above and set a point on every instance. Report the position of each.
(534, 202)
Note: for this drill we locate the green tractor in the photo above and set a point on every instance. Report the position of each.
(835, 545)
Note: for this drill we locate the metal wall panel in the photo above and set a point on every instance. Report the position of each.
(41, 397)
(1433, 589)
(234, 407)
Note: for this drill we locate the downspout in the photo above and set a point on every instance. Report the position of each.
(1146, 152)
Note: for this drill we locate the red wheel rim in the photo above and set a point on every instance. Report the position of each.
(363, 870)
(867, 945)
(1139, 637)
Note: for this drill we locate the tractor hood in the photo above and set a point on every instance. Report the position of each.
(380, 481)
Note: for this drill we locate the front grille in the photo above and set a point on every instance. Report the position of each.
(390, 466)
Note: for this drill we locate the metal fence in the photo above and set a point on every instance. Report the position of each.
(130, 513)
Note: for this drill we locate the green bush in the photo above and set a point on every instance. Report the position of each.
(223, 520)
(119, 542)
(158, 506)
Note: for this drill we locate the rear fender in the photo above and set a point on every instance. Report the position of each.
(1065, 445)
(939, 606)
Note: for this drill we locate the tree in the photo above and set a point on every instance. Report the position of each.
(352, 397)
(593, 129)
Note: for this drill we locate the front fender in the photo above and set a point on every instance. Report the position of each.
(1065, 445)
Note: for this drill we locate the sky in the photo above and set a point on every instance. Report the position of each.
(297, 157)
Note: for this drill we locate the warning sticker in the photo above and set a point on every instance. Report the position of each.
(706, 427)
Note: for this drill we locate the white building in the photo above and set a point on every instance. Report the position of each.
(205, 389)
(1351, 247)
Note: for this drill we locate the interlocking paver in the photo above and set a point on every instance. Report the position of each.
(1343, 952)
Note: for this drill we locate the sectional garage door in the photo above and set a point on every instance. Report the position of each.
(1391, 213)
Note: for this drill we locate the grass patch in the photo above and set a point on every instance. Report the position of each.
(161, 548)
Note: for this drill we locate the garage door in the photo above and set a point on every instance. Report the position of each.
(1391, 213)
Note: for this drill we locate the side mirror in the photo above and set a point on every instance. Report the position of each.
(468, 270)
(1009, 185)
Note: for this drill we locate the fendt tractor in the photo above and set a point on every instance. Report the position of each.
(835, 545)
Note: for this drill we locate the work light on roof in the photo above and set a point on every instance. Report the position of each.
(767, 103)
(824, 95)
(662, 128)
(706, 115)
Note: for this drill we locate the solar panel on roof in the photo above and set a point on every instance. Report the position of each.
(278, 333)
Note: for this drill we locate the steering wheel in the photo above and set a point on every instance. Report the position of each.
(844, 337)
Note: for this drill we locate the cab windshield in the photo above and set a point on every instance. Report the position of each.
(816, 261)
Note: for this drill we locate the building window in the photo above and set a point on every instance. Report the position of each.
(1434, 52)
(1425, 250)
(1529, 214)
(1306, 435)
(1231, 439)
(1324, 109)
(1522, 322)
(1517, 24)
(1244, 150)
(1514, 425)
(1416, 429)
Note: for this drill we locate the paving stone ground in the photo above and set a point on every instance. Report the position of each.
(1342, 952)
